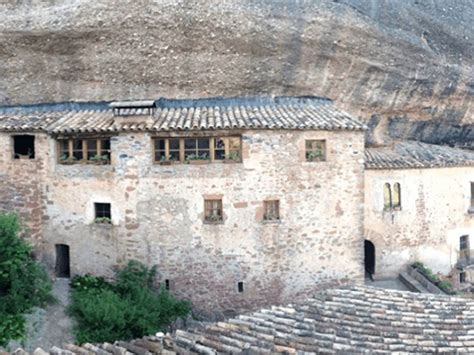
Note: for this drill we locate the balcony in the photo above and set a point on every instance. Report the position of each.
(465, 258)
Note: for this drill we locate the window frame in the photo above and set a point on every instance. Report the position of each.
(209, 208)
(231, 155)
(271, 207)
(84, 149)
(397, 196)
(103, 212)
(392, 196)
(318, 158)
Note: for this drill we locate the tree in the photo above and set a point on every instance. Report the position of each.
(24, 283)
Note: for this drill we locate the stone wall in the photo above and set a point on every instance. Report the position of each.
(157, 216)
(22, 186)
(433, 215)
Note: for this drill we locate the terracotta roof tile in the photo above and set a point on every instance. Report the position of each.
(348, 320)
(416, 155)
(177, 115)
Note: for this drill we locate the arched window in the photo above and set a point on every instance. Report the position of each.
(397, 196)
(387, 197)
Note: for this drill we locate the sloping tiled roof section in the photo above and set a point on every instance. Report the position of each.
(416, 155)
(336, 321)
(183, 115)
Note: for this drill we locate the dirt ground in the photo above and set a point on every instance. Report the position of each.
(50, 326)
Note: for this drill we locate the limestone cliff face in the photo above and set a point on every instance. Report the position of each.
(405, 67)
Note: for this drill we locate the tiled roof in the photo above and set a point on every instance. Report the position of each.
(336, 321)
(177, 115)
(416, 155)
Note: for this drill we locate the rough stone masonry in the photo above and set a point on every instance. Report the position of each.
(158, 210)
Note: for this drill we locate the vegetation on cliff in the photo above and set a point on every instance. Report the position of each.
(24, 284)
(128, 308)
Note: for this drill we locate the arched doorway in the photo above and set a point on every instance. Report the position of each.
(369, 258)
(62, 260)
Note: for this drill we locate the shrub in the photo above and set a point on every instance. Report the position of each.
(446, 286)
(131, 307)
(23, 282)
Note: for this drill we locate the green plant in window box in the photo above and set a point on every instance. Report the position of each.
(103, 220)
(164, 161)
(213, 218)
(66, 159)
(198, 159)
(232, 157)
(316, 155)
(100, 159)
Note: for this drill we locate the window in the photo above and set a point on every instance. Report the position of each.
(24, 147)
(103, 213)
(91, 150)
(396, 202)
(167, 284)
(213, 211)
(240, 287)
(471, 208)
(392, 197)
(315, 150)
(387, 196)
(271, 210)
(464, 247)
(198, 149)
(462, 277)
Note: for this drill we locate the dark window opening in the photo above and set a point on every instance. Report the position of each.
(167, 284)
(24, 147)
(103, 213)
(240, 287)
(462, 277)
(62, 260)
(464, 247)
(472, 196)
(369, 258)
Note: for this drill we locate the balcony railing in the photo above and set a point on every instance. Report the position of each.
(465, 257)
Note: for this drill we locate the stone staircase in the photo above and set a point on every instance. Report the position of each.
(351, 320)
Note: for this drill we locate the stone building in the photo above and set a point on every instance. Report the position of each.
(238, 202)
(419, 206)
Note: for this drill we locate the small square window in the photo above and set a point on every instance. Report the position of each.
(315, 150)
(271, 210)
(103, 213)
(24, 147)
(462, 277)
(213, 211)
(240, 287)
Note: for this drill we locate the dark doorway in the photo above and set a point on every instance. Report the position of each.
(369, 258)
(62, 260)
(24, 147)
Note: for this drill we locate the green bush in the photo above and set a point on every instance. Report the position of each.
(446, 286)
(131, 307)
(23, 282)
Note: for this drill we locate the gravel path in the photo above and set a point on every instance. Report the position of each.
(50, 326)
